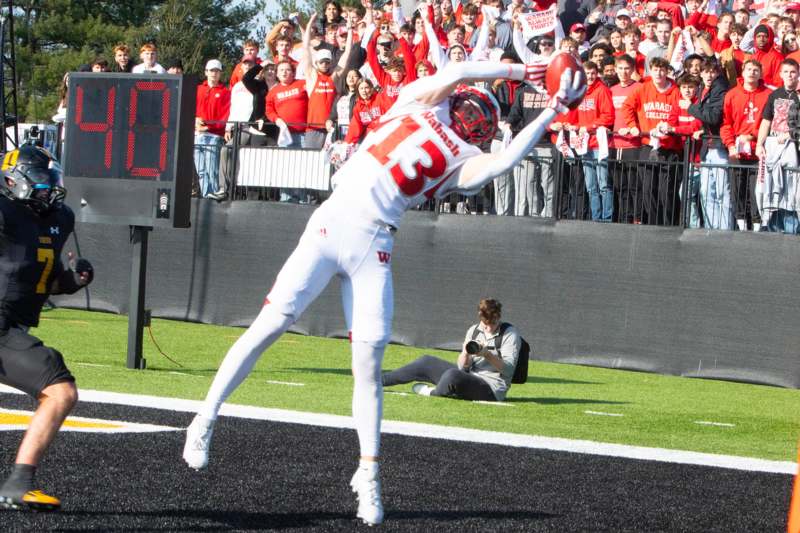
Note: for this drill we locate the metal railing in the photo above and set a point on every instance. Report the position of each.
(631, 187)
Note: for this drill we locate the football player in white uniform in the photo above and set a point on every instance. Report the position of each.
(423, 147)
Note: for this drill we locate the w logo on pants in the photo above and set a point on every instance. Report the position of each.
(384, 257)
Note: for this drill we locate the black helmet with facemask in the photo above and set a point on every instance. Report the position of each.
(32, 176)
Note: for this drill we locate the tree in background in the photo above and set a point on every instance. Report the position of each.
(57, 36)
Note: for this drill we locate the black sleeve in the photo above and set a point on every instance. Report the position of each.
(710, 111)
(515, 116)
(334, 114)
(769, 109)
(249, 79)
(356, 58)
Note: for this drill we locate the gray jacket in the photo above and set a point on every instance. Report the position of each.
(508, 350)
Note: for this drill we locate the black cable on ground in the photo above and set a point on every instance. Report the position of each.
(152, 338)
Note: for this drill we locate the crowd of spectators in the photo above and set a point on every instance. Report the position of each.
(711, 82)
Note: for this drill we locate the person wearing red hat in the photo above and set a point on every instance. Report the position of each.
(250, 48)
(578, 32)
(792, 10)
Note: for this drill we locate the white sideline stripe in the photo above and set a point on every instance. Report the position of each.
(92, 364)
(289, 383)
(720, 424)
(431, 431)
(497, 404)
(601, 413)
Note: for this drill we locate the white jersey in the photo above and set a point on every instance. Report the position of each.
(410, 157)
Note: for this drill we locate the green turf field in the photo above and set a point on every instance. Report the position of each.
(558, 400)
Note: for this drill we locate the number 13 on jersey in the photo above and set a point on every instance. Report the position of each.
(413, 161)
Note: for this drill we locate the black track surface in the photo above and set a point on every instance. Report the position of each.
(286, 477)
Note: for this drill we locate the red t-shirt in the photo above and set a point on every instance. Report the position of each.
(290, 103)
(646, 106)
(618, 95)
(320, 101)
(213, 106)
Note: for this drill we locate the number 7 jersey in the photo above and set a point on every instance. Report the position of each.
(411, 156)
(30, 259)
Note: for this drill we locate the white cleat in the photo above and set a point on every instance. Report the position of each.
(422, 389)
(368, 489)
(198, 442)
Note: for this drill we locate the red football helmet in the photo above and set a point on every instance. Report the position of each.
(474, 113)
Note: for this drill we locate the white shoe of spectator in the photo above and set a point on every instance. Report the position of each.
(422, 389)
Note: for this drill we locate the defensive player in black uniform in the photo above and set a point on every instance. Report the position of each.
(34, 225)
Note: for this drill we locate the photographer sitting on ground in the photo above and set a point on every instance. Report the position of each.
(485, 365)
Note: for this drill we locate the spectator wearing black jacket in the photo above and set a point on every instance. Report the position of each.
(255, 82)
(122, 59)
(533, 177)
(715, 188)
(247, 108)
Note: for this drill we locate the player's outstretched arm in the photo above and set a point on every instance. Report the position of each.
(480, 170)
(432, 90)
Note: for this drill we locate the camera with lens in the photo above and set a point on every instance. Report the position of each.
(474, 347)
(34, 136)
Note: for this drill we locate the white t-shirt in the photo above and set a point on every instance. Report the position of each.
(142, 69)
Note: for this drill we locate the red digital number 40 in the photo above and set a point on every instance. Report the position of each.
(107, 128)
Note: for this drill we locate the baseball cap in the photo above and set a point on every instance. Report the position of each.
(214, 64)
(792, 6)
(623, 13)
(323, 54)
(577, 27)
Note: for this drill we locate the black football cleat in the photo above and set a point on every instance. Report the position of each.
(33, 500)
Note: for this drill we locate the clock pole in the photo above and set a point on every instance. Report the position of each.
(136, 311)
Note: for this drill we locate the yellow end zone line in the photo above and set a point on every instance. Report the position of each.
(11, 420)
(432, 431)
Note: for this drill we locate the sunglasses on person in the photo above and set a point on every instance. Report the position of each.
(386, 44)
(547, 43)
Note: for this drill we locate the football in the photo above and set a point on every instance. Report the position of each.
(557, 66)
